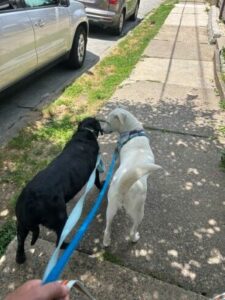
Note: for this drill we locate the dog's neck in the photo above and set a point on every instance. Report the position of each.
(131, 124)
(90, 130)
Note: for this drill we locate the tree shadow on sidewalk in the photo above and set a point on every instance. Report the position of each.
(183, 231)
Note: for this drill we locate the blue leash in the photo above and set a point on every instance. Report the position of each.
(73, 217)
(58, 267)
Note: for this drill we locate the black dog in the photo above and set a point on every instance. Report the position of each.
(43, 200)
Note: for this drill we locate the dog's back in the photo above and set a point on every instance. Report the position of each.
(129, 184)
(136, 160)
(43, 200)
(70, 170)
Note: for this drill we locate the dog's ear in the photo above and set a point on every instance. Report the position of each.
(79, 125)
(121, 117)
(98, 127)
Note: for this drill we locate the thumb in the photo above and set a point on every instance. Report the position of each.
(54, 290)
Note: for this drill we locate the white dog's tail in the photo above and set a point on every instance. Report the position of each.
(131, 175)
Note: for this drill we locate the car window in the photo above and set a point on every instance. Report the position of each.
(38, 3)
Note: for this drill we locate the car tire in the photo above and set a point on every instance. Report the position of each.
(78, 50)
(135, 14)
(118, 29)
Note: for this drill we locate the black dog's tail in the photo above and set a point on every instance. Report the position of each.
(35, 235)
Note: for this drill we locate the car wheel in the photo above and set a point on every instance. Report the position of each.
(134, 16)
(78, 50)
(118, 29)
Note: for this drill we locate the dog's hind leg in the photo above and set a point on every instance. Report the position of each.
(110, 213)
(134, 206)
(35, 232)
(137, 218)
(58, 230)
(136, 215)
(22, 233)
(134, 203)
(98, 184)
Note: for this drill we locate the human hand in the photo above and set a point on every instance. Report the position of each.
(34, 290)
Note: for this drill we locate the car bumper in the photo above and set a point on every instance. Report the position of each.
(102, 17)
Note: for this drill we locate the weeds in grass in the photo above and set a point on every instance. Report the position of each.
(222, 163)
(112, 258)
(222, 104)
(223, 76)
(223, 52)
(7, 233)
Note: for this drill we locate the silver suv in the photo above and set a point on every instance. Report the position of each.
(34, 33)
(111, 13)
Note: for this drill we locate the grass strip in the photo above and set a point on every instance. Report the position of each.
(223, 160)
(222, 104)
(7, 232)
(108, 256)
(36, 145)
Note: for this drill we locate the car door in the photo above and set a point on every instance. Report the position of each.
(51, 27)
(17, 47)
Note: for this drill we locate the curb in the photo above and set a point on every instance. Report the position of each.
(213, 28)
(217, 74)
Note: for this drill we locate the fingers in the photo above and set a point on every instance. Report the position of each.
(33, 290)
(54, 290)
(67, 298)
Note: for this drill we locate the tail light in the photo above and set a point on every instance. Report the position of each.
(113, 2)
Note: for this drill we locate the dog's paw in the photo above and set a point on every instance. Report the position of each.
(106, 244)
(135, 237)
(20, 258)
(106, 241)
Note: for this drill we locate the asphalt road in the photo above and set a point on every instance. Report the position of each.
(22, 104)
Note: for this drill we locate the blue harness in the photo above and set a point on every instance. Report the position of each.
(125, 137)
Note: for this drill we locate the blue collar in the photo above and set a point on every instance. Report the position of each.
(127, 136)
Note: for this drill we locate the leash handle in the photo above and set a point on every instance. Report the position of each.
(78, 285)
(58, 268)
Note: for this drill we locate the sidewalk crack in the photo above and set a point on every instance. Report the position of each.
(121, 264)
(165, 130)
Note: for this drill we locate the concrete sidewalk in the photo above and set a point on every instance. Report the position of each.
(181, 253)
